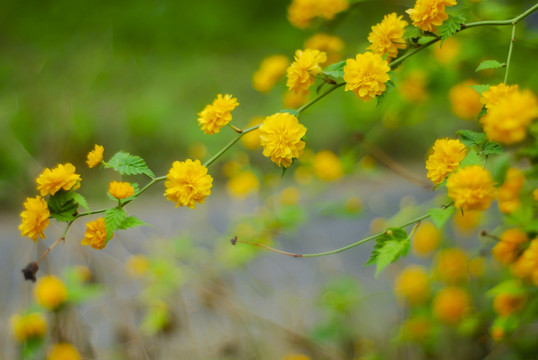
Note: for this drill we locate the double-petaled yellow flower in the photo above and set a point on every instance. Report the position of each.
(95, 156)
(61, 177)
(387, 36)
(217, 114)
(300, 73)
(446, 157)
(366, 75)
(188, 183)
(95, 234)
(120, 190)
(427, 14)
(471, 188)
(34, 218)
(280, 136)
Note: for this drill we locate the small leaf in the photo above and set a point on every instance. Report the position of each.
(471, 138)
(472, 158)
(81, 200)
(62, 207)
(440, 216)
(482, 112)
(388, 248)
(480, 88)
(335, 71)
(491, 148)
(412, 33)
(127, 164)
(131, 222)
(489, 64)
(114, 218)
(389, 85)
(451, 26)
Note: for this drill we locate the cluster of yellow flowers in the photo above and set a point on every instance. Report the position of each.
(302, 12)
(217, 114)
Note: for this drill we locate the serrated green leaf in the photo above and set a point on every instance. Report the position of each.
(490, 64)
(81, 200)
(412, 33)
(480, 88)
(389, 247)
(335, 71)
(491, 148)
(131, 222)
(127, 164)
(451, 26)
(114, 218)
(472, 158)
(471, 138)
(62, 206)
(440, 216)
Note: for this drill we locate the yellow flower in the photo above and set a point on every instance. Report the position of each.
(506, 304)
(467, 220)
(289, 195)
(366, 75)
(63, 351)
(426, 239)
(50, 292)
(526, 266)
(507, 120)
(302, 12)
(446, 51)
(120, 190)
(452, 265)
(446, 157)
(327, 9)
(387, 36)
(217, 114)
(496, 94)
(450, 305)
(327, 166)
(414, 87)
(272, 68)
(535, 194)
(295, 357)
(508, 197)
(251, 140)
(330, 44)
(188, 183)
(292, 100)
(137, 265)
(95, 156)
(61, 177)
(413, 285)
(280, 136)
(464, 101)
(427, 14)
(34, 218)
(471, 188)
(29, 326)
(306, 64)
(95, 234)
(243, 184)
(508, 249)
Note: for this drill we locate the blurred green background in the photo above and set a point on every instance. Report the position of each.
(132, 75)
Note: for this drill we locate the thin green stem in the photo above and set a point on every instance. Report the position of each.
(510, 48)
(321, 96)
(411, 53)
(504, 22)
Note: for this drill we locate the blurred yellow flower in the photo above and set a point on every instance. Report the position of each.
(34, 218)
(464, 101)
(303, 174)
(445, 158)
(243, 184)
(271, 69)
(414, 87)
(427, 14)
(445, 52)
(251, 140)
(497, 333)
(63, 351)
(302, 12)
(413, 285)
(295, 357)
(506, 304)
(452, 265)
(137, 265)
(330, 44)
(417, 328)
(327, 166)
(526, 266)
(386, 38)
(535, 194)
(300, 72)
(95, 156)
(451, 305)
(497, 93)
(50, 292)
(280, 136)
(511, 244)
(197, 150)
(290, 195)
(292, 100)
(508, 196)
(61, 177)
(477, 266)
(366, 75)
(467, 220)
(28, 326)
(471, 188)
(95, 234)
(507, 120)
(426, 239)
(188, 183)
(120, 190)
(217, 114)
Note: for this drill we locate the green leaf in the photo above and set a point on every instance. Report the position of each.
(412, 34)
(482, 112)
(389, 86)
(131, 222)
(335, 71)
(480, 88)
(471, 138)
(388, 248)
(62, 206)
(127, 164)
(491, 148)
(513, 287)
(472, 158)
(440, 216)
(490, 64)
(81, 200)
(451, 26)
(114, 218)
